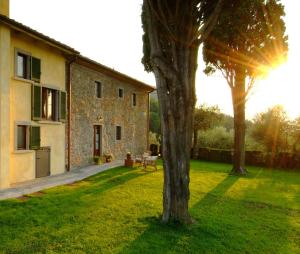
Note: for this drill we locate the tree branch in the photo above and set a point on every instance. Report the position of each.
(206, 29)
(167, 70)
(161, 17)
(250, 86)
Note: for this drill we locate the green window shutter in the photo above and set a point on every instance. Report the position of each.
(35, 69)
(28, 67)
(35, 137)
(36, 102)
(62, 106)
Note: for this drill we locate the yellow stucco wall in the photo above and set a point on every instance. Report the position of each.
(4, 106)
(22, 164)
(4, 7)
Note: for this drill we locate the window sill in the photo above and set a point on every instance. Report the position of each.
(24, 80)
(50, 122)
(22, 151)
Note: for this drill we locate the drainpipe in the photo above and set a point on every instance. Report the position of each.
(69, 97)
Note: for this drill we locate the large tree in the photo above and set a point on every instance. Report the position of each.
(248, 39)
(173, 31)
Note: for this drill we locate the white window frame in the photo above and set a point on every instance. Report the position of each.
(28, 54)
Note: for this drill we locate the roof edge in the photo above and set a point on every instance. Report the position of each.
(87, 62)
(31, 32)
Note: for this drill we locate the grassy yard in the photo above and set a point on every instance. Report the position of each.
(117, 212)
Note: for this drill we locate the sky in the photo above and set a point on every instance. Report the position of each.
(110, 33)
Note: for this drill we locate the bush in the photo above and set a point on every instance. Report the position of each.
(97, 160)
(252, 158)
(217, 155)
(217, 137)
(154, 138)
(255, 158)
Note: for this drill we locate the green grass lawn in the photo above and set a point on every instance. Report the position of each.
(117, 212)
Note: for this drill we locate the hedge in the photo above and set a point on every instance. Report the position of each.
(252, 158)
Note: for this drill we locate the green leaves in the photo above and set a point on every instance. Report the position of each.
(249, 34)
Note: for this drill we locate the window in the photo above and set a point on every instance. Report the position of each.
(21, 137)
(120, 92)
(97, 140)
(28, 67)
(49, 104)
(118, 133)
(23, 66)
(27, 137)
(98, 89)
(35, 137)
(133, 99)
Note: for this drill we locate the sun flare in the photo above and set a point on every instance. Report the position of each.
(282, 87)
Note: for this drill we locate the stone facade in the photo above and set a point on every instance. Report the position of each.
(108, 111)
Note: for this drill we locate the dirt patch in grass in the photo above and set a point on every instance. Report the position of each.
(23, 198)
(37, 194)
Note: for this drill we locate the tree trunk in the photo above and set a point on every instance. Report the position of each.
(177, 108)
(174, 68)
(238, 98)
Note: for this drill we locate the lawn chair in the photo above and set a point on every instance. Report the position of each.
(150, 161)
(139, 159)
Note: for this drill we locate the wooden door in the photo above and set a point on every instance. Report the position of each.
(97, 140)
(42, 162)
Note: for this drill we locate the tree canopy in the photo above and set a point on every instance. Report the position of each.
(249, 34)
(248, 39)
(206, 116)
(271, 128)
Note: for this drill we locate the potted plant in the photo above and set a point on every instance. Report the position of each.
(128, 160)
(107, 157)
(97, 160)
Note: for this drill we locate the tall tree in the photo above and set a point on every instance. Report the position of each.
(248, 39)
(271, 128)
(173, 31)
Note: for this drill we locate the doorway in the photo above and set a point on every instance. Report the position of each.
(97, 140)
(42, 162)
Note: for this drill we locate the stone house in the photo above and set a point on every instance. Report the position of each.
(32, 102)
(109, 113)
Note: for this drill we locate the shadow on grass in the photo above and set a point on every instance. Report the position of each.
(163, 238)
(223, 225)
(65, 209)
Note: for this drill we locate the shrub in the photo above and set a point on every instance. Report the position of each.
(217, 155)
(97, 160)
(282, 160)
(217, 137)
